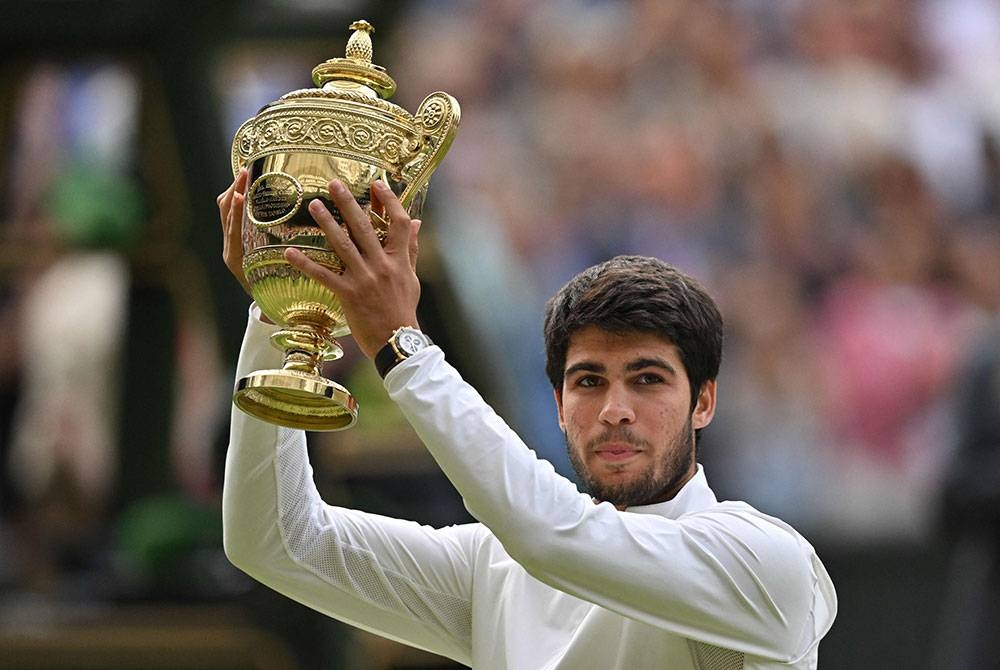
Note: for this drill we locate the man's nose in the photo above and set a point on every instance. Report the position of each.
(616, 409)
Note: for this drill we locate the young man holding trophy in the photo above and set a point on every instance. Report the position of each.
(644, 570)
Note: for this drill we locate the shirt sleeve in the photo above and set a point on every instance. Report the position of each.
(730, 576)
(401, 580)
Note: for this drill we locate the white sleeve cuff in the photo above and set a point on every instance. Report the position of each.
(257, 352)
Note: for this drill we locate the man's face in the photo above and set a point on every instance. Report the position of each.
(625, 407)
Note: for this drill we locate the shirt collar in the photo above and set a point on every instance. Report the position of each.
(694, 496)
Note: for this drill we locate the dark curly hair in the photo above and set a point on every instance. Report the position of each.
(637, 294)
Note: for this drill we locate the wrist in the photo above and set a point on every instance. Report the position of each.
(373, 336)
(404, 342)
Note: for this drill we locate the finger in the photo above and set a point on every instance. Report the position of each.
(398, 239)
(377, 210)
(242, 177)
(358, 223)
(231, 204)
(239, 185)
(337, 238)
(415, 244)
(240, 191)
(223, 202)
(233, 225)
(310, 268)
(229, 200)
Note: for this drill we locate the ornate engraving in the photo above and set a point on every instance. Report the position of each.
(351, 135)
(433, 114)
(437, 122)
(273, 258)
(242, 144)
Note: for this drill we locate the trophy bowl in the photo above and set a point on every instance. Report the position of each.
(345, 129)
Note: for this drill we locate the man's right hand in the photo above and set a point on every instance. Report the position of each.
(230, 204)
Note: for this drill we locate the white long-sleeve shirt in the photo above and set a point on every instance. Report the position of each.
(548, 580)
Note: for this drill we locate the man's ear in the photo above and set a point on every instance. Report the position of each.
(559, 408)
(704, 408)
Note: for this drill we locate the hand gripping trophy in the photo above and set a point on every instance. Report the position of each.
(348, 130)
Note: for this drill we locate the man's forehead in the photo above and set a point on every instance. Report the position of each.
(596, 342)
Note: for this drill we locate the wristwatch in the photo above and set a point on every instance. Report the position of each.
(404, 342)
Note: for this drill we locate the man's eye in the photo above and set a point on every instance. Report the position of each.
(588, 381)
(649, 378)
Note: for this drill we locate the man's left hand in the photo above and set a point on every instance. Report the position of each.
(378, 288)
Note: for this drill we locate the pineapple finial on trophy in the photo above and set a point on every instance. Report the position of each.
(359, 46)
(357, 66)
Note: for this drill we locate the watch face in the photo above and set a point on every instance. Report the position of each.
(410, 341)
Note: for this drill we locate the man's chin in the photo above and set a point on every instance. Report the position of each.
(621, 492)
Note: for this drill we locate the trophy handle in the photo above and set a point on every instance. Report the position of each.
(242, 145)
(437, 121)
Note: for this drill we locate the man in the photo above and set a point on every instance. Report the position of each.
(645, 570)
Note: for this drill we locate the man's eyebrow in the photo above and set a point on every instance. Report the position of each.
(585, 366)
(650, 362)
(631, 366)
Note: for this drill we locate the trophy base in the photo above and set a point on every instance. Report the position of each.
(296, 399)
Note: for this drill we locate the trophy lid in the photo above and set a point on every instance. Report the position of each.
(357, 67)
(349, 115)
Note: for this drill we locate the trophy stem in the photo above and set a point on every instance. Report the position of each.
(298, 395)
(306, 347)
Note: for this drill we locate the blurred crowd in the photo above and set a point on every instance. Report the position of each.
(829, 169)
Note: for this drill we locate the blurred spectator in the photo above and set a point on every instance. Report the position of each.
(770, 440)
(75, 202)
(892, 329)
(970, 513)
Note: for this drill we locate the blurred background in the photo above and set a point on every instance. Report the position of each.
(829, 168)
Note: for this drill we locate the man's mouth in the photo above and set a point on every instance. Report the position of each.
(617, 452)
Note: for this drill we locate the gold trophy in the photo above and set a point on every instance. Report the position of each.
(348, 130)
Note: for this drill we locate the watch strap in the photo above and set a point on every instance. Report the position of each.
(386, 359)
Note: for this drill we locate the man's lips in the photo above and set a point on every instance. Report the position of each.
(617, 452)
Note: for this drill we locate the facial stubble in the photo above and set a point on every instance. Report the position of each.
(656, 483)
